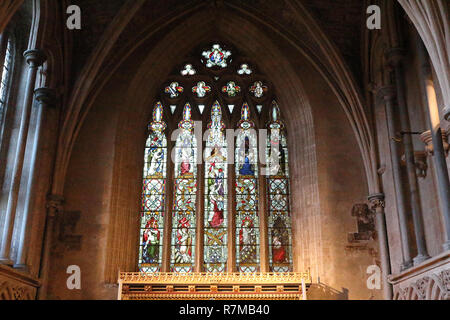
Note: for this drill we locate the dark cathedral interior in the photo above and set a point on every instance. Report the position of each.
(224, 150)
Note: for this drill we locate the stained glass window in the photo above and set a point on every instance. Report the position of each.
(174, 90)
(245, 70)
(188, 70)
(279, 219)
(216, 213)
(215, 76)
(153, 195)
(247, 220)
(216, 57)
(184, 217)
(5, 79)
(258, 89)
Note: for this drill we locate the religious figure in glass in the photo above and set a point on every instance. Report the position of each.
(279, 224)
(246, 156)
(153, 194)
(184, 215)
(216, 167)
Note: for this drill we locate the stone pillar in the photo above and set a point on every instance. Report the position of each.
(377, 204)
(54, 207)
(34, 58)
(46, 98)
(439, 156)
(396, 56)
(388, 94)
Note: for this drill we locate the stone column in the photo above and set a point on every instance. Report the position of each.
(388, 94)
(396, 56)
(439, 156)
(34, 58)
(54, 207)
(46, 98)
(377, 204)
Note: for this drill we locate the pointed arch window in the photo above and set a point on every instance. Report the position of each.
(184, 208)
(279, 218)
(247, 219)
(220, 212)
(216, 192)
(153, 194)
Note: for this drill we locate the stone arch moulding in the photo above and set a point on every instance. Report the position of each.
(312, 44)
(7, 10)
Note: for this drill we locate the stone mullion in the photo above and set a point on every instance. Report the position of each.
(169, 196)
(200, 207)
(231, 232)
(263, 227)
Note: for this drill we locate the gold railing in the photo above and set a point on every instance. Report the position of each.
(198, 286)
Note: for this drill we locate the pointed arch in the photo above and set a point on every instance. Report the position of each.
(216, 194)
(185, 198)
(153, 195)
(247, 195)
(278, 193)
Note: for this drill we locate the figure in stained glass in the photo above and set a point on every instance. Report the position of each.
(280, 259)
(183, 246)
(258, 89)
(215, 223)
(184, 213)
(280, 239)
(247, 242)
(174, 90)
(201, 89)
(150, 241)
(216, 57)
(153, 194)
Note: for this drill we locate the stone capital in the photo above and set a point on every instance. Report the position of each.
(427, 139)
(45, 96)
(395, 56)
(446, 112)
(35, 57)
(376, 201)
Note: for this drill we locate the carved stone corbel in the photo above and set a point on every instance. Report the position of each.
(377, 202)
(428, 141)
